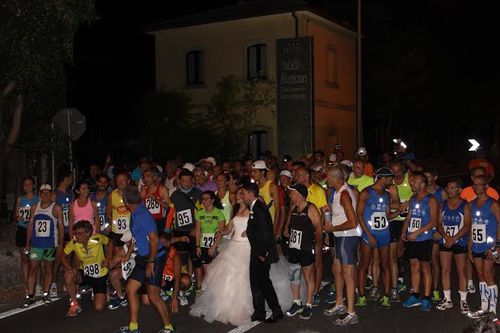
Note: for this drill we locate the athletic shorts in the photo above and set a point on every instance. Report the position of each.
(456, 249)
(47, 254)
(304, 258)
(160, 226)
(66, 237)
(383, 239)
(116, 238)
(395, 228)
(139, 272)
(98, 284)
(346, 249)
(189, 248)
(205, 258)
(21, 236)
(419, 250)
(481, 255)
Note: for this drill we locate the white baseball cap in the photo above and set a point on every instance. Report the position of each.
(260, 165)
(361, 151)
(317, 167)
(332, 157)
(45, 187)
(189, 166)
(347, 163)
(286, 173)
(211, 160)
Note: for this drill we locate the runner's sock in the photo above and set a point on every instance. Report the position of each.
(463, 295)
(483, 290)
(493, 295)
(447, 295)
(133, 326)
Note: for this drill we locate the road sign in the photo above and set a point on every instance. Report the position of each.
(475, 145)
(71, 121)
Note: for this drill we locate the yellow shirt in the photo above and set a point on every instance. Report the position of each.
(119, 214)
(360, 183)
(92, 257)
(265, 193)
(316, 195)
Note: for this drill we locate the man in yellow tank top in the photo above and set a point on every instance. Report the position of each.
(268, 191)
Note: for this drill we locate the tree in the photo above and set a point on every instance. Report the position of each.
(233, 108)
(36, 42)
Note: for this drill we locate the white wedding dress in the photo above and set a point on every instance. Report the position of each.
(227, 296)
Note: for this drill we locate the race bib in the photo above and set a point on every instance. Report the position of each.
(207, 240)
(102, 218)
(128, 267)
(25, 213)
(42, 228)
(66, 217)
(479, 233)
(122, 224)
(92, 270)
(379, 221)
(451, 230)
(184, 218)
(295, 239)
(153, 206)
(415, 224)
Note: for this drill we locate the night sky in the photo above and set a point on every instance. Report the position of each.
(114, 63)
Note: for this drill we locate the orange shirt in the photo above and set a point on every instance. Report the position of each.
(369, 169)
(468, 194)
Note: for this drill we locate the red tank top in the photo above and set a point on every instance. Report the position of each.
(154, 206)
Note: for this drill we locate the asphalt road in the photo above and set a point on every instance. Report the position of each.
(51, 318)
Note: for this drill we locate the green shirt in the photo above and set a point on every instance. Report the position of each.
(361, 182)
(209, 222)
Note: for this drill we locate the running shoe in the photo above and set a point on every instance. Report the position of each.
(115, 303)
(477, 314)
(445, 304)
(369, 283)
(426, 305)
(471, 289)
(384, 302)
(331, 297)
(374, 294)
(294, 309)
(412, 302)
(436, 298)
(464, 307)
(28, 301)
(46, 299)
(183, 301)
(394, 296)
(316, 300)
(361, 303)
(74, 309)
(335, 310)
(166, 330)
(306, 312)
(126, 329)
(401, 287)
(53, 291)
(346, 319)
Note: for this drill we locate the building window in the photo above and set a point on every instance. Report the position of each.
(194, 67)
(331, 67)
(257, 62)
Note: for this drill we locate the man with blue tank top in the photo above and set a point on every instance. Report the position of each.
(454, 225)
(24, 203)
(44, 241)
(373, 212)
(484, 244)
(417, 234)
(100, 196)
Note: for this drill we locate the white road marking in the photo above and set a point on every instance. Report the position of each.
(19, 310)
(244, 328)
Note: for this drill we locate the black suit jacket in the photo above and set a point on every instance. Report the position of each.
(260, 233)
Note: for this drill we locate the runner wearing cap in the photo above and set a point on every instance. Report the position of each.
(202, 182)
(209, 165)
(305, 231)
(267, 189)
(362, 154)
(373, 212)
(44, 240)
(188, 166)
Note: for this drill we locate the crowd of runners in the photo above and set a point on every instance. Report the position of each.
(149, 235)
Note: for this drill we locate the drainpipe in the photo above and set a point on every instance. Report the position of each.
(296, 24)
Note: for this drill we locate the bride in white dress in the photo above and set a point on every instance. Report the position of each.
(227, 296)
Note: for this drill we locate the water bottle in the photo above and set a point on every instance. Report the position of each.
(328, 217)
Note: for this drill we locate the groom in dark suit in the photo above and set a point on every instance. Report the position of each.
(262, 254)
